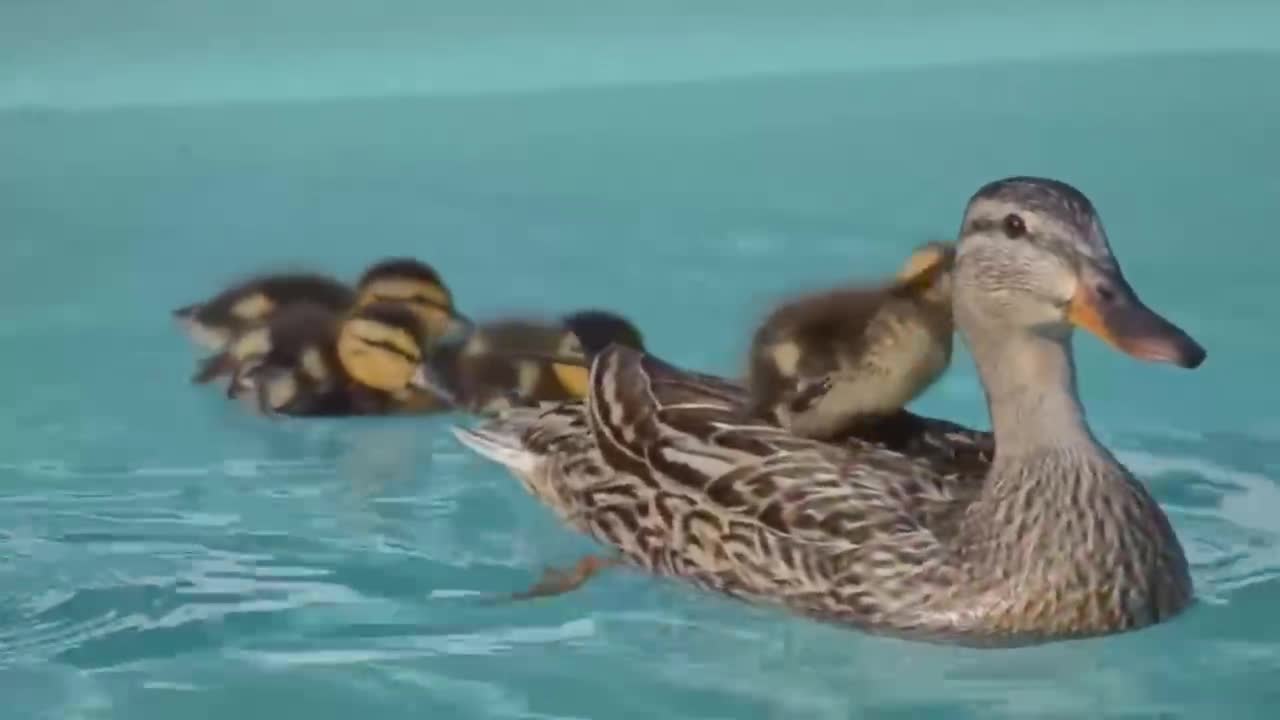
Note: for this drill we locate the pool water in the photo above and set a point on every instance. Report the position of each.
(163, 555)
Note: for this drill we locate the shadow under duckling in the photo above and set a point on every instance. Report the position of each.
(513, 362)
(213, 322)
(307, 360)
(834, 363)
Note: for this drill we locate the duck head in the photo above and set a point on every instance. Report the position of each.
(1033, 255)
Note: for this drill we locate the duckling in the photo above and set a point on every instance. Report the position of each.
(586, 334)
(521, 362)
(308, 360)
(501, 364)
(214, 322)
(237, 310)
(420, 287)
(826, 364)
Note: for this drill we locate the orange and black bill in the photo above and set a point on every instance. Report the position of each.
(1105, 305)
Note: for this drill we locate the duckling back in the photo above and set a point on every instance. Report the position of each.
(213, 322)
(499, 364)
(823, 363)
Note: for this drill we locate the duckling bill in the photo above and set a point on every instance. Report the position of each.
(825, 364)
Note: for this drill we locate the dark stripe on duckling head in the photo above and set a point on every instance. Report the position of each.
(413, 298)
(393, 315)
(389, 347)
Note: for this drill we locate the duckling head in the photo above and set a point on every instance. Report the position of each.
(419, 287)
(587, 333)
(927, 272)
(382, 345)
(1033, 257)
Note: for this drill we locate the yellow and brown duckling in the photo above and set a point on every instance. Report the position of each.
(522, 362)
(213, 322)
(828, 363)
(419, 287)
(586, 334)
(502, 364)
(308, 360)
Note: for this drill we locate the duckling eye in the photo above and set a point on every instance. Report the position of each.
(1014, 227)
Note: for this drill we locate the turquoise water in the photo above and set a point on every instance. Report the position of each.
(162, 555)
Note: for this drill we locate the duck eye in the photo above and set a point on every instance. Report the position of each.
(1014, 227)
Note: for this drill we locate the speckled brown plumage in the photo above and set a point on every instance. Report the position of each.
(924, 534)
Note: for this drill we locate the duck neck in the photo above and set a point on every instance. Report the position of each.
(1030, 383)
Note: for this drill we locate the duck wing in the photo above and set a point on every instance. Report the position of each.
(852, 533)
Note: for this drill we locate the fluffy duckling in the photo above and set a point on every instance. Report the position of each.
(419, 287)
(587, 333)
(214, 322)
(502, 364)
(308, 360)
(825, 364)
(515, 362)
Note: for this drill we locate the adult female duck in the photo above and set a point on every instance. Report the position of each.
(1055, 540)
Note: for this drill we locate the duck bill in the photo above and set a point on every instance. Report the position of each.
(1106, 306)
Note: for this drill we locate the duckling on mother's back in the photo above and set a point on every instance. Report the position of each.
(822, 363)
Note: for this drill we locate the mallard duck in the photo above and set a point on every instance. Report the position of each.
(520, 362)
(213, 322)
(308, 360)
(825, 361)
(1055, 539)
